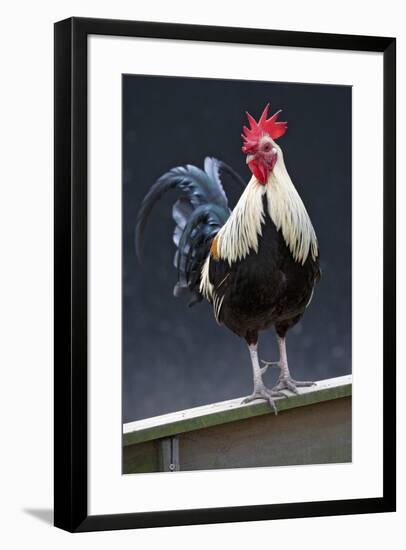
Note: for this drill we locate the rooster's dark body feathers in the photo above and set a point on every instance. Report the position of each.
(267, 288)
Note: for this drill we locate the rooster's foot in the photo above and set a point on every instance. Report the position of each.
(262, 392)
(287, 383)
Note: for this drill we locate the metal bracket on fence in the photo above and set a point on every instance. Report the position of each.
(169, 451)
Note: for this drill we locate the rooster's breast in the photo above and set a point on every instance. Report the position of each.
(265, 288)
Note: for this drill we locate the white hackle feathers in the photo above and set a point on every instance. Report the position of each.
(217, 303)
(240, 234)
(208, 291)
(206, 288)
(289, 214)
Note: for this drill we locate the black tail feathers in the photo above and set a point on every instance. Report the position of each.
(199, 213)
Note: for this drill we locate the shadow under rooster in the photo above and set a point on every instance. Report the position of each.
(258, 264)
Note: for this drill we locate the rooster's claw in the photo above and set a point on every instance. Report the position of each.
(265, 393)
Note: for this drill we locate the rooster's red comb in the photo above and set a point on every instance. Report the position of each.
(265, 125)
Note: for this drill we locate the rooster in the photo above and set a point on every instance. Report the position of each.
(256, 265)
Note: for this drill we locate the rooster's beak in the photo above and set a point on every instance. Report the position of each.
(249, 158)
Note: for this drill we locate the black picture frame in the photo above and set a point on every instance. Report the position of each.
(70, 333)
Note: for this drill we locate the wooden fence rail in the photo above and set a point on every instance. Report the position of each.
(313, 427)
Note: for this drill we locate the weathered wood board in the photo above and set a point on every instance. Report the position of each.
(313, 427)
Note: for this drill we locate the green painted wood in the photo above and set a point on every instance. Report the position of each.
(315, 434)
(179, 425)
(141, 458)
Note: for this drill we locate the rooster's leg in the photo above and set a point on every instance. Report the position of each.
(285, 381)
(260, 390)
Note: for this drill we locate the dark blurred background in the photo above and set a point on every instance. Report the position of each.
(175, 357)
